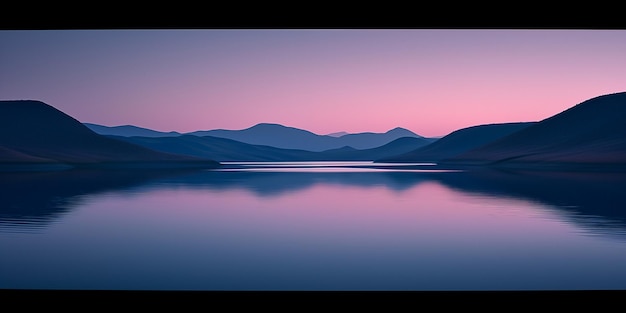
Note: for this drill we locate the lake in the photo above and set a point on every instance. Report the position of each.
(313, 226)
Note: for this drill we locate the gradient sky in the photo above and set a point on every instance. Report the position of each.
(431, 82)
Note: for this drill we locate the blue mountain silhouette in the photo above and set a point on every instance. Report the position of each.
(285, 137)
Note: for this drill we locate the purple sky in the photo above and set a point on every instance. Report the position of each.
(429, 81)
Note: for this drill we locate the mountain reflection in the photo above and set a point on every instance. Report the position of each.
(593, 201)
(32, 200)
(270, 184)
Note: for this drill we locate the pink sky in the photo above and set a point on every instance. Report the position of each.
(431, 82)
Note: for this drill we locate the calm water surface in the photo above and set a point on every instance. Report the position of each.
(312, 226)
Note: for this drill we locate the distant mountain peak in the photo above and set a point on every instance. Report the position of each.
(269, 125)
(275, 126)
(400, 130)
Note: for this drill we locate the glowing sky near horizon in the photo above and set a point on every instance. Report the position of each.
(431, 82)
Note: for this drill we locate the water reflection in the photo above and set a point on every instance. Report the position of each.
(32, 200)
(594, 202)
(275, 183)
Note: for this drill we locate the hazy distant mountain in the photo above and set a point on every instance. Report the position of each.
(590, 133)
(280, 136)
(128, 130)
(458, 142)
(222, 149)
(274, 135)
(34, 132)
(337, 134)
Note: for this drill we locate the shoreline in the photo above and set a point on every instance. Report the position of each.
(55, 167)
(424, 166)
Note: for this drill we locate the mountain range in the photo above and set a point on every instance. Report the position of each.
(275, 135)
(285, 137)
(589, 135)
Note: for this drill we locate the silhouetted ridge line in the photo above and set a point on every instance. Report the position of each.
(589, 135)
(128, 131)
(33, 132)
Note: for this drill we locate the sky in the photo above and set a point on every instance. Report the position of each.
(430, 81)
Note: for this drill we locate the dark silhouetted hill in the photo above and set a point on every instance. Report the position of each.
(458, 142)
(35, 132)
(128, 131)
(592, 133)
(280, 136)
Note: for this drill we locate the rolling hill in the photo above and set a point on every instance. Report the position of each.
(33, 132)
(591, 133)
